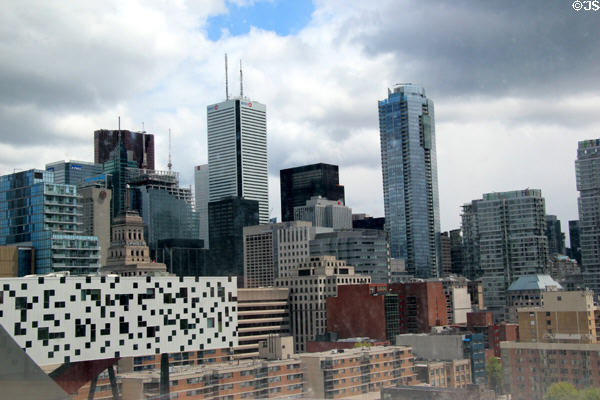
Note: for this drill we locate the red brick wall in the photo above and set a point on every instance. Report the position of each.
(479, 318)
(356, 313)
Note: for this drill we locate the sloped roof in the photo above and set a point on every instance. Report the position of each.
(534, 282)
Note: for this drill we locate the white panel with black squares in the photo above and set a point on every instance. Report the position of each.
(68, 319)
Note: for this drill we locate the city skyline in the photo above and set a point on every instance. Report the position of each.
(321, 80)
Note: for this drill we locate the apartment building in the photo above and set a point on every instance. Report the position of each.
(354, 372)
(446, 374)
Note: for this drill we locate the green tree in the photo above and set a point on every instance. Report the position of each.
(493, 370)
(561, 391)
(589, 394)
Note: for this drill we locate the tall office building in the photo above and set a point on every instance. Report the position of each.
(73, 172)
(300, 184)
(410, 184)
(37, 212)
(456, 251)
(556, 238)
(574, 242)
(237, 152)
(367, 250)
(139, 145)
(587, 169)
(504, 238)
(325, 213)
(201, 191)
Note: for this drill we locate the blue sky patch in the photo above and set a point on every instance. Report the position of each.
(281, 16)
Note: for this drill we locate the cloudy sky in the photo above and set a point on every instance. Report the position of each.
(515, 85)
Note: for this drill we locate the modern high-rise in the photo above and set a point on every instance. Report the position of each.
(139, 145)
(299, 184)
(367, 250)
(574, 242)
(201, 191)
(504, 238)
(410, 183)
(325, 213)
(556, 238)
(587, 169)
(73, 172)
(276, 250)
(35, 211)
(237, 152)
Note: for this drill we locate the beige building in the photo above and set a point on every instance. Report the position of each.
(275, 250)
(528, 291)
(96, 216)
(9, 260)
(356, 372)
(447, 374)
(128, 254)
(565, 317)
(314, 281)
(458, 300)
(262, 313)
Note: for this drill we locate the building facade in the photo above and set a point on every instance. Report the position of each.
(73, 172)
(504, 235)
(237, 152)
(587, 171)
(34, 211)
(262, 313)
(183, 257)
(95, 217)
(356, 372)
(300, 184)
(325, 213)
(99, 317)
(367, 250)
(574, 241)
(312, 283)
(528, 291)
(139, 144)
(226, 220)
(410, 184)
(201, 192)
(556, 238)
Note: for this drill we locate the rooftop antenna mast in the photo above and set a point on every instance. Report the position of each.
(226, 80)
(169, 164)
(241, 82)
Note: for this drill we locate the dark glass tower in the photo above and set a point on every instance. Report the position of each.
(410, 184)
(299, 184)
(575, 249)
(139, 144)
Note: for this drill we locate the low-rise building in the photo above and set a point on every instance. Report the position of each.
(446, 374)
(527, 291)
(449, 346)
(354, 372)
(473, 392)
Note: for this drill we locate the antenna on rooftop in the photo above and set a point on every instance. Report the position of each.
(241, 81)
(169, 163)
(226, 80)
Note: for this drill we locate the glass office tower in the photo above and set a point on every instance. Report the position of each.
(587, 170)
(410, 184)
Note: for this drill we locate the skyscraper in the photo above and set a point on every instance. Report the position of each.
(504, 238)
(410, 185)
(237, 152)
(300, 184)
(556, 239)
(587, 170)
(575, 245)
(139, 145)
(201, 190)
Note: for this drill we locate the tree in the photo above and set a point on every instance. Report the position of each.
(493, 370)
(561, 391)
(589, 394)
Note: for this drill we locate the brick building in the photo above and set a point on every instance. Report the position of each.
(353, 372)
(380, 311)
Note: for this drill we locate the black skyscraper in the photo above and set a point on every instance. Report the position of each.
(299, 184)
(139, 144)
(575, 249)
(226, 221)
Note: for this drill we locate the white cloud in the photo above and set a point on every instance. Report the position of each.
(71, 68)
